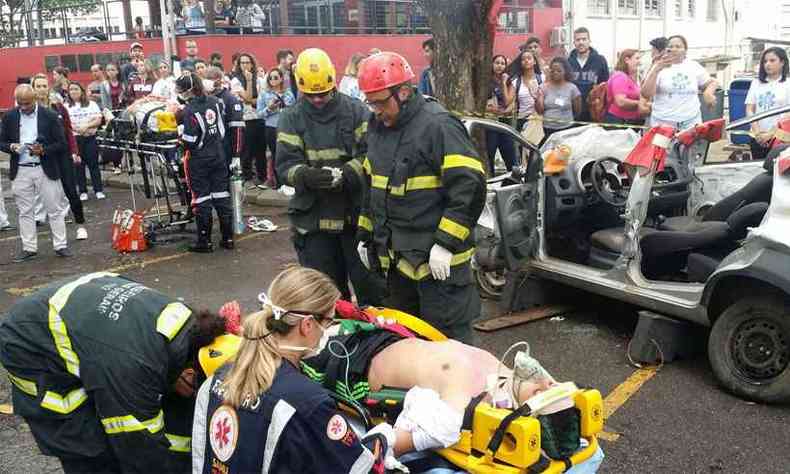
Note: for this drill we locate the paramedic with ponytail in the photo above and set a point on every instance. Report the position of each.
(206, 166)
(261, 414)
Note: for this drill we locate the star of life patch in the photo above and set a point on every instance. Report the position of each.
(224, 432)
(337, 428)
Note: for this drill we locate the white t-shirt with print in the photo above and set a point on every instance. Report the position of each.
(768, 95)
(236, 87)
(80, 116)
(677, 92)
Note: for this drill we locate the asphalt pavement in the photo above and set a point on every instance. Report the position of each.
(678, 421)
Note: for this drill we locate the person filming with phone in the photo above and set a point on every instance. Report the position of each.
(674, 83)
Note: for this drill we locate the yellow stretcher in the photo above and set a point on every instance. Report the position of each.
(521, 445)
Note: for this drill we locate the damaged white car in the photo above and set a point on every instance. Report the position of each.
(707, 243)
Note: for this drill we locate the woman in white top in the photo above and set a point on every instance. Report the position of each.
(165, 85)
(86, 118)
(771, 89)
(349, 84)
(525, 81)
(674, 83)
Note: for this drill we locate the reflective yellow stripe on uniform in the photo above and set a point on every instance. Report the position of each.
(361, 130)
(415, 184)
(423, 270)
(378, 181)
(453, 228)
(328, 154)
(58, 328)
(291, 178)
(27, 386)
(331, 224)
(129, 424)
(366, 165)
(290, 139)
(356, 166)
(365, 223)
(172, 319)
(462, 161)
(179, 444)
(64, 405)
(384, 262)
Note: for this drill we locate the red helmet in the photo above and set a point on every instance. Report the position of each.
(382, 71)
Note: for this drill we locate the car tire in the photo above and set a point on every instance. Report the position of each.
(490, 284)
(749, 348)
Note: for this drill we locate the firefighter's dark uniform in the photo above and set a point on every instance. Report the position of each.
(92, 361)
(233, 119)
(207, 169)
(426, 186)
(324, 221)
(293, 427)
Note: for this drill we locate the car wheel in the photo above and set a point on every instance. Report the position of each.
(749, 348)
(490, 284)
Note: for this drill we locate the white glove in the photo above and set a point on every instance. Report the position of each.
(388, 432)
(235, 165)
(362, 250)
(439, 261)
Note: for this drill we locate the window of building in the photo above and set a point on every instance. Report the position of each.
(627, 7)
(654, 8)
(692, 8)
(116, 29)
(598, 8)
(678, 8)
(713, 10)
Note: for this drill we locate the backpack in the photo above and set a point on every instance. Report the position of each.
(596, 102)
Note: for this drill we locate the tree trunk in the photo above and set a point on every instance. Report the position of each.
(464, 47)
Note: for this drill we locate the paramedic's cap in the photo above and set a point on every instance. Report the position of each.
(135, 45)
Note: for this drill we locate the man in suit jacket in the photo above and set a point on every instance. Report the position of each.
(35, 138)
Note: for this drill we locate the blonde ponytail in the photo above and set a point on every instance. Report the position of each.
(295, 288)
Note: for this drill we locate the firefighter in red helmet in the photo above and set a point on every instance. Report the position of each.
(426, 190)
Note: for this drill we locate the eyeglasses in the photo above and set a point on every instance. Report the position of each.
(378, 104)
(275, 78)
(245, 62)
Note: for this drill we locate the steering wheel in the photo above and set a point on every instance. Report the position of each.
(608, 181)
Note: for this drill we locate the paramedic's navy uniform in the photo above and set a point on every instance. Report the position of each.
(207, 169)
(293, 427)
(92, 361)
(233, 120)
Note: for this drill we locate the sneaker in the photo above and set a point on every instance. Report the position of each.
(83, 196)
(64, 252)
(227, 244)
(24, 256)
(100, 195)
(82, 234)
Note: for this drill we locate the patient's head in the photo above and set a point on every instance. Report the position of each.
(298, 306)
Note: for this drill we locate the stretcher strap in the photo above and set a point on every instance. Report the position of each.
(469, 413)
(499, 434)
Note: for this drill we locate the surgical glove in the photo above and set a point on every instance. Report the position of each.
(362, 250)
(439, 261)
(235, 165)
(316, 178)
(386, 431)
(431, 422)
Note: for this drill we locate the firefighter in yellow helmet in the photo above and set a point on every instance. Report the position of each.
(321, 143)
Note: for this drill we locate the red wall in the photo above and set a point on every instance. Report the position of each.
(25, 62)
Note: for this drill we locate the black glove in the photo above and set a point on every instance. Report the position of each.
(350, 178)
(316, 178)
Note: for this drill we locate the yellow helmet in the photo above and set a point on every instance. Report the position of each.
(315, 73)
(222, 348)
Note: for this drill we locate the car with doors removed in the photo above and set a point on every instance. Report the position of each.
(660, 228)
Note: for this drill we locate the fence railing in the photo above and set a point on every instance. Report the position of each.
(320, 17)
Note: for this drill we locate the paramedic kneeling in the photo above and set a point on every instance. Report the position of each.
(261, 414)
(426, 191)
(103, 371)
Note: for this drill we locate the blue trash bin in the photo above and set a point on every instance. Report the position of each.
(738, 90)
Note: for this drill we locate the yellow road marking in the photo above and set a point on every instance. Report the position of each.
(621, 394)
(132, 265)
